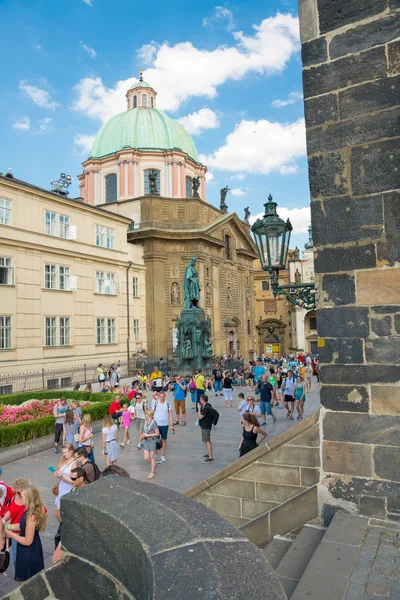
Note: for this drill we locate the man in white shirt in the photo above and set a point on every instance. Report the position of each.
(163, 418)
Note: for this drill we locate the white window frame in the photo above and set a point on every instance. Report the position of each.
(136, 330)
(50, 276)
(64, 278)
(6, 265)
(99, 282)
(144, 100)
(57, 331)
(5, 211)
(105, 330)
(57, 225)
(135, 287)
(64, 225)
(64, 331)
(50, 223)
(50, 332)
(5, 332)
(109, 284)
(105, 237)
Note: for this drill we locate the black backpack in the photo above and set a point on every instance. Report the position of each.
(97, 472)
(215, 417)
(4, 558)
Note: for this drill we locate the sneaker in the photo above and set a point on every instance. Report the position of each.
(122, 445)
(287, 415)
(162, 458)
(139, 446)
(280, 406)
(56, 450)
(205, 455)
(128, 442)
(207, 460)
(159, 462)
(196, 422)
(264, 423)
(274, 419)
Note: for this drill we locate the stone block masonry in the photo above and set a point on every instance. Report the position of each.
(351, 73)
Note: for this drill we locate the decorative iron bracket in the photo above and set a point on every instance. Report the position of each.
(301, 294)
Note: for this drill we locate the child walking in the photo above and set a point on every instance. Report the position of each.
(125, 421)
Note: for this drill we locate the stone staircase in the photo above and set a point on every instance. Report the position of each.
(271, 490)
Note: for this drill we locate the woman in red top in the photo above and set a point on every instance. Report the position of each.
(16, 509)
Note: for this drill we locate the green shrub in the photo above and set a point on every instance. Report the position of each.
(30, 430)
(16, 399)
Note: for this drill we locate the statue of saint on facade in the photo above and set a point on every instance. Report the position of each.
(223, 206)
(153, 183)
(187, 348)
(191, 287)
(296, 254)
(297, 276)
(246, 215)
(175, 293)
(195, 187)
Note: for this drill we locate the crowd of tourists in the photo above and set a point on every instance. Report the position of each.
(272, 384)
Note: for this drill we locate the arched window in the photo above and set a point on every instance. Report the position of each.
(152, 102)
(111, 188)
(144, 100)
(189, 188)
(134, 101)
(151, 175)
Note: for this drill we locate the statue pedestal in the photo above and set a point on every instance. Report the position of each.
(194, 332)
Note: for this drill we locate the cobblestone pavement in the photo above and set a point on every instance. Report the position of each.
(183, 466)
(377, 571)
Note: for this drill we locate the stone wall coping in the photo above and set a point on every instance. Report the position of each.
(254, 456)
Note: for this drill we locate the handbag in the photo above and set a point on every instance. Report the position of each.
(55, 489)
(158, 443)
(5, 557)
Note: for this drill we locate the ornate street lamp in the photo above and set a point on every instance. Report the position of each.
(272, 237)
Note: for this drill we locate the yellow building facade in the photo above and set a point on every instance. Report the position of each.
(64, 268)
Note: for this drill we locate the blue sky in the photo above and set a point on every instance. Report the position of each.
(232, 71)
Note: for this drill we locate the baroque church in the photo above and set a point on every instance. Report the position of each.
(145, 167)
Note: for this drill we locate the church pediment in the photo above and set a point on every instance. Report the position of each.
(231, 224)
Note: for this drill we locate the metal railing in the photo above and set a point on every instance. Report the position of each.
(68, 377)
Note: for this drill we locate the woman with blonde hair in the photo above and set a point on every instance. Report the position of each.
(110, 441)
(30, 552)
(150, 434)
(86, 436)
(63, 473)
(15, 510)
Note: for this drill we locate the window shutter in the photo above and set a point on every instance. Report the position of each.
(72, 232)
(73, 283)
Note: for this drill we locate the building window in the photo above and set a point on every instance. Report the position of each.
(189, 187)
(248, 327)
(135, 287)
(50, 277)
(152, 102)
(6, 271)
(105, 331)
(111, 188)
(63, 278)
(147, 181)
(56, 225)
(144, 100)
(51, 331)
(207, 272)
(64, 226)
(105, 283)
(134, 101)
(228, 250)
(5, 211)
(64, 331)
(5, 333)
(104, 236)
(313, 323)
(136, 330)
(265, 286)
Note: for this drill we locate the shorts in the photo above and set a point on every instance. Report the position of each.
(58, 432)
(206, 435)
(163, 429)
(288, 398)
(218, 386)
(228, 394)
(139, 424)
(180, 407)
(265, 408)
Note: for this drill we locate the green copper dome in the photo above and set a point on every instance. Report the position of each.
(145, 129)
(141, 84)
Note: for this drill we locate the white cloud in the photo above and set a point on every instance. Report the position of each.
(183, 71)
(209, 176)
(292, 99)
(88, 2)
(238, 177)
(300, 218)
(23, 124)
(260, 147)
(197, 122)
(147, 53)
(220, 13)
(238, 192)
(44, 124)
(37, 95)
(38, 47)
(84, 142)
(91, 51)
(288, 169)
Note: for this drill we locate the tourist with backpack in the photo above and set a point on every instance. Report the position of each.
(206, 418)
(217, 380)
(193, 391)
(163, 419)
(92, 470)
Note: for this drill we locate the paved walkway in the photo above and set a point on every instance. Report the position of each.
(183, 468)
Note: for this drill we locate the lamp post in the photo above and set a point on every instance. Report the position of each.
(272, 237)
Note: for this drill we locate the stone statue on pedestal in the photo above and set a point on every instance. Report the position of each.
(223, 206)
(246, 215)
(153, 183)
(297, 276)
(195, 187)
(191, 287)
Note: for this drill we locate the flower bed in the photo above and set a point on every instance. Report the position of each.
(24, 418)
